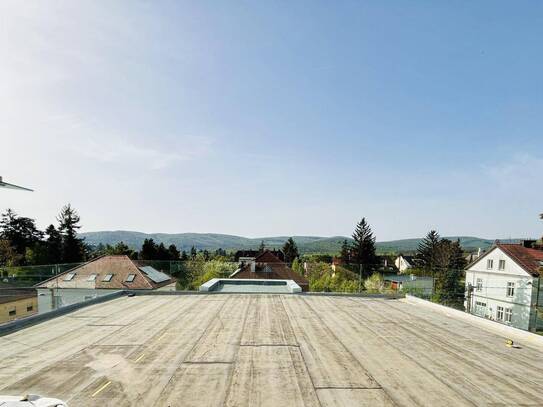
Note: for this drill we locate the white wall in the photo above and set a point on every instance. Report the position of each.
(494, 289)
(66, 296)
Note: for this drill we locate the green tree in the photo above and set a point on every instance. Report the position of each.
(262, 247)
(173, 253)
(290, 250)
(297, 266)
(148, 250)
(363, 248)
(345, 254)
(53, 244)
(193, 253)
(73, 248)
(427, 251)
(20, 231)
(120, 249)
(162, 253)
(8, 256)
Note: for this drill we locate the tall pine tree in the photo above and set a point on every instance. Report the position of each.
(426, 257)
(363, 248)
(73, 249)
(290, 250)
(53, 244)
(148, 250)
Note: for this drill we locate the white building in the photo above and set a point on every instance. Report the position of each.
(503, 285)
(404, 263)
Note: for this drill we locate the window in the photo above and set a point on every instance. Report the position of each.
(29, 308)
(92, 277)
(501, 265)
(108, 278)
(69, 277)
(12, 312)
(130, 278)
(490, 264)
(480, 308)
(499, 313)
(510, 289)
(479, 285)
(508, 314)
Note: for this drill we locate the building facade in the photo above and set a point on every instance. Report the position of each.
(504, 285)
(15, 304)
(96, 278)
(404, 263)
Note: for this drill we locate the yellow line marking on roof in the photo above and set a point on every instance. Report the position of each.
(101, 388)
(140, 358)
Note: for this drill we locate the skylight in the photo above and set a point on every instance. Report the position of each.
(130, 278)
(69, 276)
(108, 277)
(92, 277)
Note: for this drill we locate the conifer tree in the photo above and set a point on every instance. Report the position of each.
(427, 251)
(363, 248)
(290, 250)
(53, 245)
(173, 252)
(73, 249)
(148, 250)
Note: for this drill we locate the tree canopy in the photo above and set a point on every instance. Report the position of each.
(290, 250)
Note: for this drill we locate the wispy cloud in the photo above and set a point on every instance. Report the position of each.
(126, 152)
(520, 171)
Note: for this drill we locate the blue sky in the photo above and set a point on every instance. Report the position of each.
(265, 118)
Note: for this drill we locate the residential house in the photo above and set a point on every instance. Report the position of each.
(17, 303)
(269, 267)
(504, 285)
(404, 263)
(98, 277)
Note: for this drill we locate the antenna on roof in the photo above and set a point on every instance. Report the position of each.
(13, 186)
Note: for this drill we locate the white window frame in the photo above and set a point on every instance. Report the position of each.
(501, 265)
(508, 315)
(130, 280)
(69, 276)
(479, 287)
(480, 308)
(510, 291)
(499, 313)
(107, 278)
(489, 264)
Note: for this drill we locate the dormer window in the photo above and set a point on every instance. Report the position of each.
(69, 277)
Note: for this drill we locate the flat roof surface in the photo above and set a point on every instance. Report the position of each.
(267, 350)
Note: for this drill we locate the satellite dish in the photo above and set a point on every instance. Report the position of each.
(13, 186)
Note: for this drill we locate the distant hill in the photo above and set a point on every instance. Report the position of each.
(306, 244)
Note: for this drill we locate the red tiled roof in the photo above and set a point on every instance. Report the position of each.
(275, 270)
(118, 266)
(267, 257)
(531, 260)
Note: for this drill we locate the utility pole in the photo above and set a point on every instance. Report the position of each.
(360, 278)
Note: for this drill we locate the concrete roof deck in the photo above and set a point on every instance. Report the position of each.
(269, 350)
